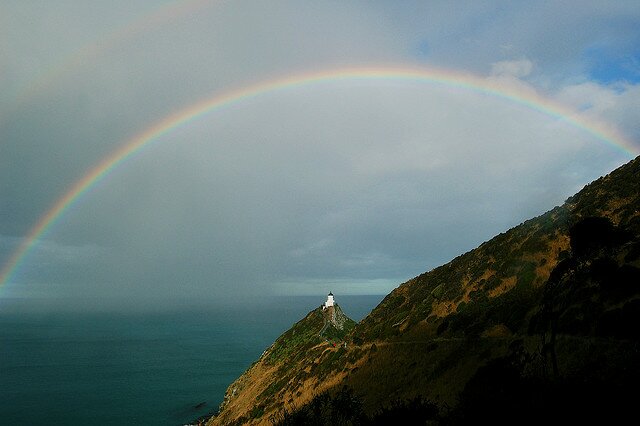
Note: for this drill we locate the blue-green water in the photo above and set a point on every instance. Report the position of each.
(108, 368)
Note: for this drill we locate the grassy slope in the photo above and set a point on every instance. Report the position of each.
(439, 327)
(299, 353)
(437, 332)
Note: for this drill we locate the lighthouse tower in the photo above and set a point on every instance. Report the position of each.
(329, 302)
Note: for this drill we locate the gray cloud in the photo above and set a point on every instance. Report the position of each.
(332, 183)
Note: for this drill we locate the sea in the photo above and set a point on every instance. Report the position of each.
(129, 367)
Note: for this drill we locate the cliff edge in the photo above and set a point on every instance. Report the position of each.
(540, 322)
(302, 351)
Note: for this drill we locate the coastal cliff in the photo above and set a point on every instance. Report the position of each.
(301, 352)
(540, 321)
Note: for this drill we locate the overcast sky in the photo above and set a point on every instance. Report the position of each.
(349, 186)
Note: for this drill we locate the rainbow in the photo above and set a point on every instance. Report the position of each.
(447, 78)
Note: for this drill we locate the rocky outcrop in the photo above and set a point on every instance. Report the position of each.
(335, 323)
(257, 395)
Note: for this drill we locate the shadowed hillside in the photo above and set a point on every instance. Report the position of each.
(536, 322)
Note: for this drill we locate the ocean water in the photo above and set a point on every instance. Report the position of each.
(121, 368)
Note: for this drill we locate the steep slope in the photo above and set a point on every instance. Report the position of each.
(487, 303)
(545, 310)
(297, 354)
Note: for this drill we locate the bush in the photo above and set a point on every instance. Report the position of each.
(594, 233)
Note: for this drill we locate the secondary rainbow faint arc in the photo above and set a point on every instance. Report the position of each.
(85, 54)
(448, 78)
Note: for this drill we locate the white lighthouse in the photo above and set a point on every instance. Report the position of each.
(329, 301)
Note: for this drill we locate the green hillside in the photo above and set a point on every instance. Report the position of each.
(540, 321)
(559, 293)
(314, 329)
(309, 348)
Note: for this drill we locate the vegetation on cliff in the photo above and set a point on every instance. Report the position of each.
(537, 321)
(285, 365)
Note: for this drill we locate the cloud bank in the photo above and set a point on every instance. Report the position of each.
(360, 184)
